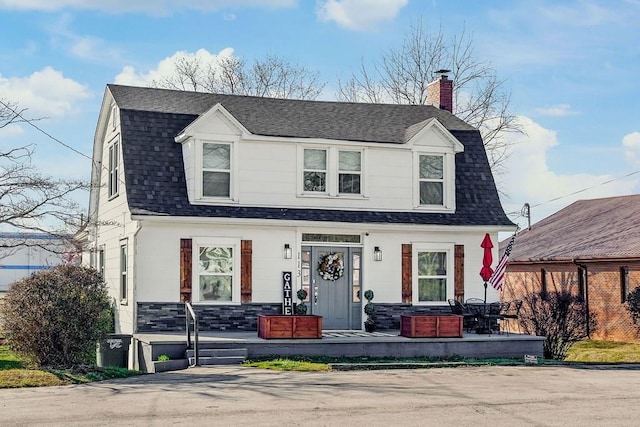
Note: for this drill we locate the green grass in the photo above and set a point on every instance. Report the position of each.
(582, 352)
(604, 352)
(288, 365)
(16, 372)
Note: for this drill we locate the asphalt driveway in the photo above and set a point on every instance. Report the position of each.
(230, 396)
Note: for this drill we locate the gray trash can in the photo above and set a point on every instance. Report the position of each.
(113, 351)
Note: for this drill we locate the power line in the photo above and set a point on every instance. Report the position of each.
(519, 213)
(30, 123)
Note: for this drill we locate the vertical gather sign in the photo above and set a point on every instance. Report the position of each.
(287, 290)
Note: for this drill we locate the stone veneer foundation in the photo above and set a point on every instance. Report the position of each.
(170, 317)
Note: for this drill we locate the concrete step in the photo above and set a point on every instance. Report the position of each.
(219, 352)
(218, 356)
(215, 361)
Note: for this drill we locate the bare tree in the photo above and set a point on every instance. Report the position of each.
(29, 201)
(272, 76)
(402, 74)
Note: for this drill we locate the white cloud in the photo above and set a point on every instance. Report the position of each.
(150, 7)
(528, 178)
(44, 93)
(560, 110)
(358, 15)
(88, 48)
(166, 68)
(631, 146)
(11, 131)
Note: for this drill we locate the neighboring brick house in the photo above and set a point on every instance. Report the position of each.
(592, 248)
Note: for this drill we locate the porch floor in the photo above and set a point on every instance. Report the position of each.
(387, 343)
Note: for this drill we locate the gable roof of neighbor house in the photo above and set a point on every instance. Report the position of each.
(585, 230)
(154, 173)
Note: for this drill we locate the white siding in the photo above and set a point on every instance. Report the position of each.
(158, 257)
(268, 170)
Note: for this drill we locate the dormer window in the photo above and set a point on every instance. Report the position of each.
(216, 170)
(435, 179)
(431, 180)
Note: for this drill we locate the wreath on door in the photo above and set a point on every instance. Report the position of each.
(331, 267)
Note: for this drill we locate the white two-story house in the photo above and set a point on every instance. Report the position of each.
(211, 198)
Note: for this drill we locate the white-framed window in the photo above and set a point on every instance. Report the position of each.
(216, 170)
(100, 262)
(332, 171)
(349, 172)
(433, 277)
(114, 167)
(314, 174)
(435, 181)
(431, 179)
(123, 272)
(114, 116)
(216, 271)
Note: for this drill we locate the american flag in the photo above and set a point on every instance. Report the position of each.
(498, 274)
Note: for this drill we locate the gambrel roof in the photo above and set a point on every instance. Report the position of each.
(597, 229)
(154, 173)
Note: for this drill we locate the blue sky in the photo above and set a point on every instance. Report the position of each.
(572, 67)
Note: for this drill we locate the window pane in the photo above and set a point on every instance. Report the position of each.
(349, 161)
(215, 288)
(432, 263)
(315, 159)
(432, 289)
(348, 183)
(216, 156)
(431, 193)
(431, 167)
(215, 184)
(315, 181)
(330, 238)
(216, 260)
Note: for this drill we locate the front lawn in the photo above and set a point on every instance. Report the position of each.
(604, 352)
(16, 372)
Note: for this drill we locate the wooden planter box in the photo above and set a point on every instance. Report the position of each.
(431, 326)
(275, 326)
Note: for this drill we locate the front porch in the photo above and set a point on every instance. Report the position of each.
(387, 343)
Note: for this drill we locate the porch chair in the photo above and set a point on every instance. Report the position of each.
(493, 316)
(511, 313)
(469, 318)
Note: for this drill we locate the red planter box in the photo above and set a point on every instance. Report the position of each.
(276, 326)
(431, 326)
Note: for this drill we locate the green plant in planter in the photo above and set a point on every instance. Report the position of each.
(163, 358)
(301, 307)
(370, 311)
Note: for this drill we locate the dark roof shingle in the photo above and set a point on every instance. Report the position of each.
(154, 171)
(586, 229)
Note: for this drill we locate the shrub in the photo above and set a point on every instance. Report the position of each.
(560, 316)
(633, 305)
(55, 317)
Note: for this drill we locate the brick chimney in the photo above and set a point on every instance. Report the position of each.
(440, 92)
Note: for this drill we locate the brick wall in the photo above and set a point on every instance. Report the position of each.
(604, 292)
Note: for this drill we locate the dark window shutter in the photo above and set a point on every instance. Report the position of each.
(458, 272)
(246, 263)
(185, 269)
(407, 275)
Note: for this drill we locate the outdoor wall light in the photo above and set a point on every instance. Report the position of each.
(287, 251)
(377, 253)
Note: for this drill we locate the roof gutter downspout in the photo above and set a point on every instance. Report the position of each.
(584, 271)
